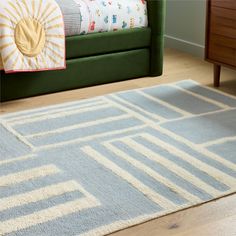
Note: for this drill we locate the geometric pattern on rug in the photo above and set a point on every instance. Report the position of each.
(99, 165)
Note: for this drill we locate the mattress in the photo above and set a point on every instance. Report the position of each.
(92, 16)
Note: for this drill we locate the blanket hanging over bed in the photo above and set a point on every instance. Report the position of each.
(32, 35)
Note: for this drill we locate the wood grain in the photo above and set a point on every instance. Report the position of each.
(212, 219)
(223, 21)
(177, 66)
(224, 4)
(222, 11)
(222, 54)
(222, 41)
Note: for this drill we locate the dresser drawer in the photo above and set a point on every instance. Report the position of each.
(221, 35)
(221, 21)
(223, 12)
(222, 41)
(224, 31)
(231, 4)
(222, 54)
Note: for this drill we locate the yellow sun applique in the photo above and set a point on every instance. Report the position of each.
(30, 37)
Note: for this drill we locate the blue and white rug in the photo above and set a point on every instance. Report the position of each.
(99, 165)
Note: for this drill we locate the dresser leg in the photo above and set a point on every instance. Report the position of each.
(217, 69)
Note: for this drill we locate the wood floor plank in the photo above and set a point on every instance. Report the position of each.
(202, 220)
(223, 227)
(177, 66)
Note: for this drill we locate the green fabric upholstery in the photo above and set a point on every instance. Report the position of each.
(108, 42)
(97, 59)
(82, 72)
(156, 14)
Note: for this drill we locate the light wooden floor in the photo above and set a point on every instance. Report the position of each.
(216, 218)
(177, 66)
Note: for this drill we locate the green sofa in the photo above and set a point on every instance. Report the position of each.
(97, 59)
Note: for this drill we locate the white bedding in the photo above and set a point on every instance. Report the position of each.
(90, 16)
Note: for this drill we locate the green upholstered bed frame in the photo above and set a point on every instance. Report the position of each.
(97, 59)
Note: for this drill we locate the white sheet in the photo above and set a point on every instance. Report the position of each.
(110, 15)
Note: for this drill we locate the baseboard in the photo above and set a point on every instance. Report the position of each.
(185, 46)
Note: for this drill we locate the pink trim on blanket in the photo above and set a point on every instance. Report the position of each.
(38, 70)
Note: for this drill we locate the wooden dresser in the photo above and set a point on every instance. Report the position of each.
(221, 35)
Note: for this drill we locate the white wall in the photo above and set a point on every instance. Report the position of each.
(185, 25)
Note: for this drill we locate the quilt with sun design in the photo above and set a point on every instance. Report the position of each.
(32, 32)
(32, 35)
